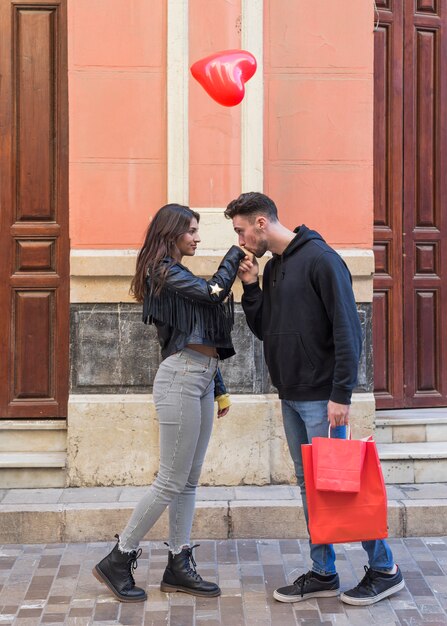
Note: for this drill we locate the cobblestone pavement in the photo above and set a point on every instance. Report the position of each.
(53, 584)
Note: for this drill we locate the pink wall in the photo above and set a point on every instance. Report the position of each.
(318, 116)
(214, 130)
(117, 77)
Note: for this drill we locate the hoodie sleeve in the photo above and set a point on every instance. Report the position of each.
(252, 304)
(334, 285)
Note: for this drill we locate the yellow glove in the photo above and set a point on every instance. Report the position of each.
(223, 401)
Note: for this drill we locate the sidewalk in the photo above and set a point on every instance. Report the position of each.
(96, 513)
(52, 584)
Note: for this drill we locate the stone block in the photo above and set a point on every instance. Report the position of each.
(104, 275)
(281, 465)
(409, 434)
(425, 491)
(42, 526)
(436, 432)
(111, 349)
(85, 522)
(238, 452)
(365, 382)
(272, 492)
(32, 496)
(211, 520)
(112, 440)
(244, 372)
(31, 524)
(21, 440)
(215, 493)
(430, 470)
(396, 513)
(426, 518)
(94, 494)
(383, 434)
(257, 519)
(32, 478)
(395, 493)
(362, 415)
(113, 352)
(398, 471)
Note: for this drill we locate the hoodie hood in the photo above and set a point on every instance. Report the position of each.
(303, 235)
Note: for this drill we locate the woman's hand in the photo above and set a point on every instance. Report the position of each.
(222, 412)
(223, 404)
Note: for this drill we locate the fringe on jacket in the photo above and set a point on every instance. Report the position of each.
(212, 321)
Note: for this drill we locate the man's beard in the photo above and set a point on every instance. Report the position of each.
(261, 249)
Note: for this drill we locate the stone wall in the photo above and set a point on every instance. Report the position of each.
(112, 425)
(113, 352)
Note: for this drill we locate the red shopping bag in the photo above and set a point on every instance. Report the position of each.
(338, 463)
(338, 517)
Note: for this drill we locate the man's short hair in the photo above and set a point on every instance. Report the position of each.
(250, 205)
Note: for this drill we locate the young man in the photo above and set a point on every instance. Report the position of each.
(307, 318)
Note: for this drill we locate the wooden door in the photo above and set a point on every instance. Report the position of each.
(34, 272)
(388, 174)
(410, 233)
(425, 203)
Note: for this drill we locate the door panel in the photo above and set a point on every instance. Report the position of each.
(410, 225)
(34, 273)
(33, 331)
(425, 208)
(387, 303)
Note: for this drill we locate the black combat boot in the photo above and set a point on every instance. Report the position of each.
(116, 570)
(181, 575)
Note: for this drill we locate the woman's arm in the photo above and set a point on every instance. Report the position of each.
(219, 385)
(211, 291)
(221, 395)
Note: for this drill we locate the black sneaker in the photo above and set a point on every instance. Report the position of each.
(308, 586)
(373, 587)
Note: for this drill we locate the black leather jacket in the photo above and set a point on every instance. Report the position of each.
(188, 302)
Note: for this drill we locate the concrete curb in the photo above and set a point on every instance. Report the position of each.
(214, 519)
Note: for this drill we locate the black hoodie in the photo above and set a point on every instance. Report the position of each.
(307, 317)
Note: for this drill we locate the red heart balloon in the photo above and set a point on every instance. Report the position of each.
(223, 75)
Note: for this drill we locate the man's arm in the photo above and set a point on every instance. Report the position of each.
(333, 282)
(252, 298)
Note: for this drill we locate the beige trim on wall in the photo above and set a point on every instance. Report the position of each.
(104, 275)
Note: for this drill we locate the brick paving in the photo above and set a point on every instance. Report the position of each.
(53, 584)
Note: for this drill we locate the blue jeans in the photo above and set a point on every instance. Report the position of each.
(302, 422)
(184, 399)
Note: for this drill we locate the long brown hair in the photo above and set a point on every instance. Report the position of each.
(167, 225)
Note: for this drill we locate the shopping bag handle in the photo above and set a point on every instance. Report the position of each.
(348, 426)
(348, 431)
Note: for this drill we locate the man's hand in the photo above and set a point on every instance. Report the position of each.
(222, 412)
(248, 270)
(338, 414)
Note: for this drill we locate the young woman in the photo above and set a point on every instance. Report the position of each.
(193, 318)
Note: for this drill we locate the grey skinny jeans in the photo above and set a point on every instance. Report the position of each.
(184, 399)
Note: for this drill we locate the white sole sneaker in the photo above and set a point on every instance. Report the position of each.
(366, 601)
(316, 594)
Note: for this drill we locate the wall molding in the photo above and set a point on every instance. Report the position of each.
(104, 275)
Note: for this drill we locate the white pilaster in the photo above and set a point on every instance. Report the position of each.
(177, 101)
(252, 149)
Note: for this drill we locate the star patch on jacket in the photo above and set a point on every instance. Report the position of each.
(215, 289)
